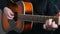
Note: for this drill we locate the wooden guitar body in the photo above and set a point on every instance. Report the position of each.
(20, 8)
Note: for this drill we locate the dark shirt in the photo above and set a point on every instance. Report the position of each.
(3, 3)
(44, 7)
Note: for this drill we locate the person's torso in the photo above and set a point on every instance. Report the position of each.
(44, 7)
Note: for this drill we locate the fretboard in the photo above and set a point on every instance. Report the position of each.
(35, 18)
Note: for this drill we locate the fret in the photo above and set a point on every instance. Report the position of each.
(35, 18)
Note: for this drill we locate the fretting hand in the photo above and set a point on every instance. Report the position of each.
(50, 24)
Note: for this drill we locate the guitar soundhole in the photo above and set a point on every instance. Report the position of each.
(27, 22)
(15, 16)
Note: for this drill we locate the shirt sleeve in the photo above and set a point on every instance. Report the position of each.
(51, 8)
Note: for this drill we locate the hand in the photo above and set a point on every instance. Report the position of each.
(50, 25)
(9, 13)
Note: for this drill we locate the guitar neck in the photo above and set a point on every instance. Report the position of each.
(35, 18)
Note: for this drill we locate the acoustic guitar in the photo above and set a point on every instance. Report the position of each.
(17, 24)
(24, 18)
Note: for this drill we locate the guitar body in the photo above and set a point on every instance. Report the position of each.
(20, 8)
